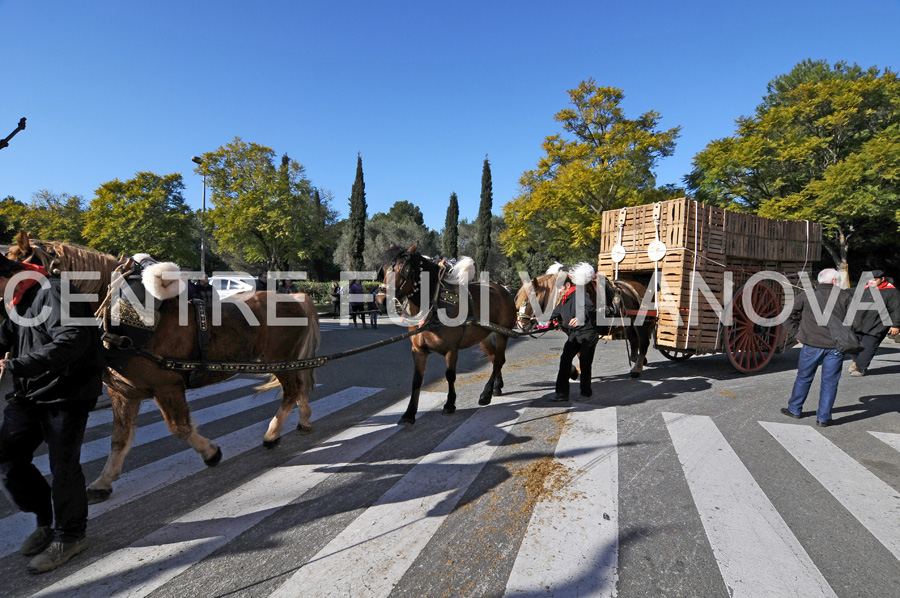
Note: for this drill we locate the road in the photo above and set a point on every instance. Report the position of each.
(685, 482)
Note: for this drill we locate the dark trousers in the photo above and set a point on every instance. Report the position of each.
(64, 501)
(585, 352)
(870, 345)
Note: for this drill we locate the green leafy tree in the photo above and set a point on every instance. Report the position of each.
(401, 225)
(13, 215)
(824, 146)
(144, 214)
(264, 213)
(451, 228)
(606, 161)
(57, 217)
(483, 222)
(357, 218)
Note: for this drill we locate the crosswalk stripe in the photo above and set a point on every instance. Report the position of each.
(143, 480)
(892, 440)
(875, 504)
(155, 559)
(99, 448)
(378, 547)
(756, 552)
(105, 416)
(571, 544)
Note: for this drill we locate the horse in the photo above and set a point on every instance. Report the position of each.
(402, 273)
(132, 376)
(622, 296)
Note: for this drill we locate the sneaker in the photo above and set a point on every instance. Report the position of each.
(58, 553)
(559, 397)
(853, 367)
(857, 373)
(39, 539)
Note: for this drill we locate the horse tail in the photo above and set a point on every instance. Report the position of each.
(306, 347)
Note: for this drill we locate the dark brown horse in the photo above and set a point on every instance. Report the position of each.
(416, 280)
(622, 300)
(132, 377)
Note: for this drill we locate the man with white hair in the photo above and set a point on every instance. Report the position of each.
(819, 347)
(576, 315)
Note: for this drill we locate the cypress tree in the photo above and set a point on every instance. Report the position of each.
(451, 228)
(483, 223)
(357, 218)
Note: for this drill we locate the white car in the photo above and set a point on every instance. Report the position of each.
(226, 286)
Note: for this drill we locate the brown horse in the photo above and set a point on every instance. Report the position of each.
(132, 377)
(621, 297)
(486, 302)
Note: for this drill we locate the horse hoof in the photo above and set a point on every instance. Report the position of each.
(573, 375)
(449, 410)
(635, 374)
(270, 444)
(214, 460)
(98, 495)
(301, 429)
(485, 401)
(498, 392)
(406, 421)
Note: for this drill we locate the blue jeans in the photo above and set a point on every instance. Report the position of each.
(811, 358)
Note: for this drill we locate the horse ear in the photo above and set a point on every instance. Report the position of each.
(413, 248)
(22, 240)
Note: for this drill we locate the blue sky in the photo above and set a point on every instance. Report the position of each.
(422, 90)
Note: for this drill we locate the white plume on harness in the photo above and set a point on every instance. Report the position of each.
(462, 271)
(556, 267)
(162, 280)
(582, 273)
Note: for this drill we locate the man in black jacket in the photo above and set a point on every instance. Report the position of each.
(576, 315)
(819, 347)
(872, 326)
(56, 369)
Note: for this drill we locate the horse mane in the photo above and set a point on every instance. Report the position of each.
(75, 258)
(545, 287)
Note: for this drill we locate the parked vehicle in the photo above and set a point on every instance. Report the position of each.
(226, 286)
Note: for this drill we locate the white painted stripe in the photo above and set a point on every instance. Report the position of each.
(377, 548)
(99, 448)
(155, 559)
(571, 546)
(875, 504)
(757, 553)
(892, 440)
(139, 482)
(105, 416)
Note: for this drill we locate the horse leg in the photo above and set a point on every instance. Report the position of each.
(173, 405)
(497, 354)
(295, 390)
(640, 344)
(419, 359)
(450, 406)
(125, 412)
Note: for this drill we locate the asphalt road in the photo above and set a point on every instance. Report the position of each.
(685, 482)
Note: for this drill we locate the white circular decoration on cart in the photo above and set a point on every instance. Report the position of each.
(656, 250)
(618, 253)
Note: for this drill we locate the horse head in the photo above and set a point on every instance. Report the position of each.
(402, 269)
(32, 251)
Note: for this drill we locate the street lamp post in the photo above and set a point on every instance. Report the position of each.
(199, 161)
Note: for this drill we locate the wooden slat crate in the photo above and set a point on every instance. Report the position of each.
(703, 242)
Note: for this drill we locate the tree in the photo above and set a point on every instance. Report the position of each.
(13, 214)
(57, 217)
(498, 267)
(400, 225)
(357, 218)
(144, 214)
(266, 214)
(824, 145)
(451, 229)
(606, 162)
(483, 222)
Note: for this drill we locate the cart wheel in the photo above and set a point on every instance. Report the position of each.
(676, 354)
(750, 346)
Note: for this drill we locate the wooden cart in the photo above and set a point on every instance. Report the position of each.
(693, 249)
